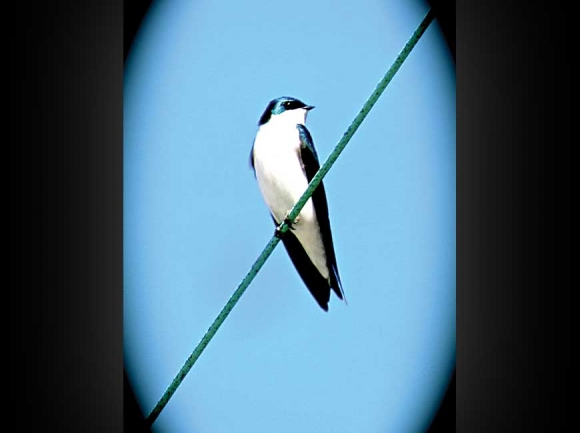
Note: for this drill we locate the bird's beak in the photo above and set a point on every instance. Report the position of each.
(309, 107)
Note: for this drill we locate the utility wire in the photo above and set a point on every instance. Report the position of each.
(283, 228)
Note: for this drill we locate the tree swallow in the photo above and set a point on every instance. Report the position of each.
(284, 161)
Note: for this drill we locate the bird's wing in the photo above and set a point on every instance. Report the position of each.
(310, 165)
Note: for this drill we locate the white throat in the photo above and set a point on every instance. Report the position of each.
(290, 117)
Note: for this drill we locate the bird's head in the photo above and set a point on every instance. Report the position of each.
(285, 106)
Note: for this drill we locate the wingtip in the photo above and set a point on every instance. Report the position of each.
(336, 284)
(322, 304)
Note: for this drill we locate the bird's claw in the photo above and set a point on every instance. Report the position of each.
(278, 233)
(291, 223)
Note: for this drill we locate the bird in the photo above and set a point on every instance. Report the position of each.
(284, 161)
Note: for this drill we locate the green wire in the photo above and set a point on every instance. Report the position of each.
(291, 217)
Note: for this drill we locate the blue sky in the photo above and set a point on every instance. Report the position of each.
(198, 78)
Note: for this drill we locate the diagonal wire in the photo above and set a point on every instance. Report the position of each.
(283, 228)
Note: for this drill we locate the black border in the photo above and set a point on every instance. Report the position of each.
(513, 206)
(65, 143)
(134, 12)
(444, 421)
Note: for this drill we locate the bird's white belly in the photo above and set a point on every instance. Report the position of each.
(282, 182)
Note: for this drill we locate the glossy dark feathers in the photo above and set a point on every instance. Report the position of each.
(319, 287)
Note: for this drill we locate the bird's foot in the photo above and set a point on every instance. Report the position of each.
(278, 233)
(291, 223)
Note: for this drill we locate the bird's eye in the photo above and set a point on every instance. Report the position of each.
(287, 104)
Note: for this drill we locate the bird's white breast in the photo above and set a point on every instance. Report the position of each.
(278, 170)
(282, 182)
